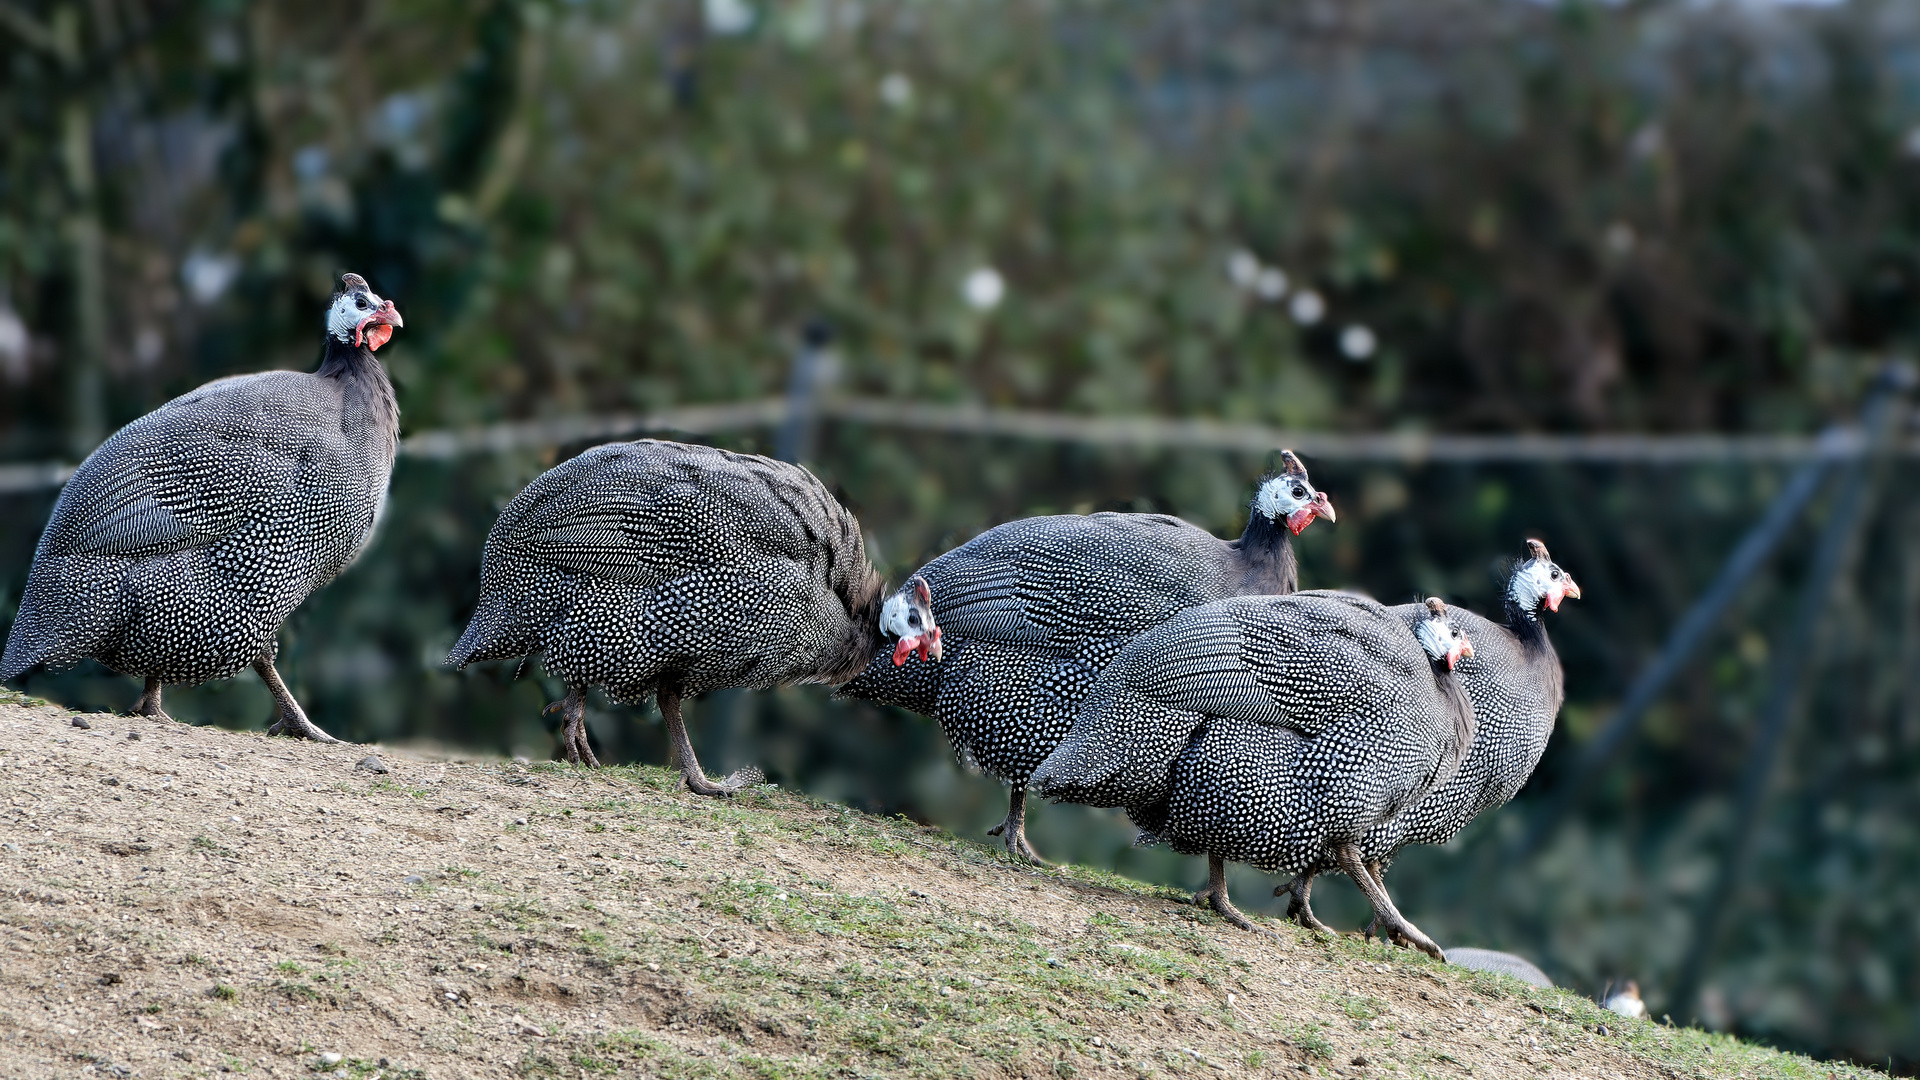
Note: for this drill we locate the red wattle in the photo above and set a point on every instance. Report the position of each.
(903, 650)
(377, 335)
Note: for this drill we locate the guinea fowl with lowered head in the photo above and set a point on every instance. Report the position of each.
(1271, 730)
(1034, 609)
(1515, 683)
(660, 569)
(181, 545)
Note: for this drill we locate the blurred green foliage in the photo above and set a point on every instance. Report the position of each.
(1650, 216)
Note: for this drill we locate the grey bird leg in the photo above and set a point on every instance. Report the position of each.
(1300, 905)
(149, 703)
(293, 720)
(1376, 928)
(1215, 896)
(1396, 923)
(573, 730)
(683, 755)
(1015, 828)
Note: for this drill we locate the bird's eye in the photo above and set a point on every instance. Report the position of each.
(360, 302)
(913, 619)
(1299, 492)
(1556, 573)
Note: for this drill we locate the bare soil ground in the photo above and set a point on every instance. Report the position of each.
(195, 901)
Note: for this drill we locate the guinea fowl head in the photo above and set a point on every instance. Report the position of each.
(358, 316)
(1440, 638)
(1538, 579)
(1289, 498)
(908, 616)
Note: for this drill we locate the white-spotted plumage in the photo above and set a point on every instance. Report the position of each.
(1268, 730)
(185, 540)
(1033, 610)
(656, 567)
(1514, 680)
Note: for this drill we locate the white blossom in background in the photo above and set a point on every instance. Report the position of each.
(896, 90)
(1243, 269)
(1620, 239)
(1357, 342)
(1270, 283)
(726, 17)
(1911, 144)
(1307, 307)
(15, 344)
(207, 275)
(1647, 141)
(984, 289)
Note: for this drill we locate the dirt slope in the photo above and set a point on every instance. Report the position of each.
(197, 901)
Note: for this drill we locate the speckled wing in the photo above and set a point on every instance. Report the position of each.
(1302, 661)
(647, 511)
(639, 558)
(1073, 578)
(182, 476)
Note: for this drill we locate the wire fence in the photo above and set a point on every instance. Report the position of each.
(1143, 432)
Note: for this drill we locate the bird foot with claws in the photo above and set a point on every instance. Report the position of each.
(297, 726)
(1408, 936)
(573, 729)
(736, 781)
(1300, 906)
(1017, 845)
(152, 711)
(149, 704)
(1214, 895)
(1224, 908)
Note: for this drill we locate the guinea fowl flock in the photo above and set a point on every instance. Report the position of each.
(1117, 660)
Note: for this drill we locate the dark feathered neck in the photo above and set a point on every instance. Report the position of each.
(1525, 624)
(1460, 711)
(1265, 552)
(367, 386)
(861, 639)
(343, 360)
(1527, 629)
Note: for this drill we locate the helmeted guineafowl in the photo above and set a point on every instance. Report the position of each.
(183, 543)
(660, 569)
(1034, 609)
(1271, 730)
(1515, 683)
(1500, 963)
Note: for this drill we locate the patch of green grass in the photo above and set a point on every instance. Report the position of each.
(1361, 1008)
(1312, 1041)
(222, 992)
(212, 847)
(16, 697)
(288, 967)
(295, 991)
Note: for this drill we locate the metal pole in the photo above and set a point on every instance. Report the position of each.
(795, 440)
(1798, 643)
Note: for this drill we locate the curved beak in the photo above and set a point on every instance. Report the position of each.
(1554, 596)
(1461, 651)
(1303, 517)
(379, 325)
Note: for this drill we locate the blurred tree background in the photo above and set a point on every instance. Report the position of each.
(1654, 216)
